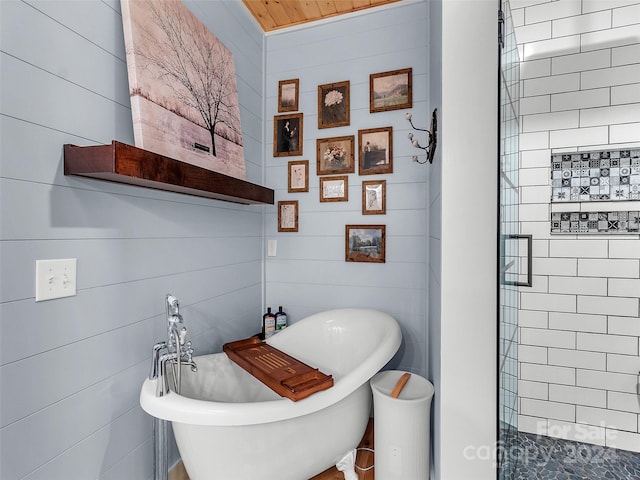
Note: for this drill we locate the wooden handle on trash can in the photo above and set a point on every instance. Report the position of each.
(402, 381)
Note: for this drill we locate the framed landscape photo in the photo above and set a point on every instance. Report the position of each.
(364, 243)
(374, 197)
(288, 216)
(335, 155)
(334, 189)
(390, 90)
(287, 135)
(333, 105)
(288, 94)
(375, 151)
(298, 176)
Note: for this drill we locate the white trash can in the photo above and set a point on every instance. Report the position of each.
(401, 427)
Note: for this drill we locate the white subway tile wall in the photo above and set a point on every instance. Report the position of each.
(533, 389)
(625, 55)
(535, 68)
(576, 358)
(580, 323)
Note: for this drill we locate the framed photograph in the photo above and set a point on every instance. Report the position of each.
(333, 104)
(374, 197)
(298, 176)
(288, 216)
(375, 151)
(287, 135)
(288, 93)
(364, 243)
(335, 155)
(390, 90)
(334, 189)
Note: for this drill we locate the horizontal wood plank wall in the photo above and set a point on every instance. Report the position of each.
(71, 369)
(309, 273)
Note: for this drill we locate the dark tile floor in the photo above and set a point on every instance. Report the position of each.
(536, 457)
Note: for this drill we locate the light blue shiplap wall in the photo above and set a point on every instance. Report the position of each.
(71, 369)
(309, 273)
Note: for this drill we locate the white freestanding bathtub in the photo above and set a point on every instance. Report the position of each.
(229, 426)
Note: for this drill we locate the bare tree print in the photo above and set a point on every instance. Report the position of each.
(196, 67)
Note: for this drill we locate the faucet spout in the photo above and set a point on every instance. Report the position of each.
(155, 359)
(162, 387)
(192, 364)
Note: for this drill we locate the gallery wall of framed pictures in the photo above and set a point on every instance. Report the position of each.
(366, 152)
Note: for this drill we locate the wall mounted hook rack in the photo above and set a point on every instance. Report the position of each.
(432, 137)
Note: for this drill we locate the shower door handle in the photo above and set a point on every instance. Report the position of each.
(504, 267)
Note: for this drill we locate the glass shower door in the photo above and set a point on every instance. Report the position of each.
(510, 240)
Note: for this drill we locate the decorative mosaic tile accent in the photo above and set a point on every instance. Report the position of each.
(595, 222)
(530, 456)
(595, 176)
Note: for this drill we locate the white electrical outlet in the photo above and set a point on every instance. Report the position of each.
(55, 278)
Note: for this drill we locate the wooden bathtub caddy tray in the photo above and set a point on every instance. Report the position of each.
(280, 372)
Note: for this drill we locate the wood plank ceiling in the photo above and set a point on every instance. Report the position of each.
(276, 14)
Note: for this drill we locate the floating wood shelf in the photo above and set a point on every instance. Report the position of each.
(122, 163)
(280, 372)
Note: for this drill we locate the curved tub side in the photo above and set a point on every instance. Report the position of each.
(341, 340)
(291, 449)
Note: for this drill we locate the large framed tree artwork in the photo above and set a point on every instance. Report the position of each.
(182, 83)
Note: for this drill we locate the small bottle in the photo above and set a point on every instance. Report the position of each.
(281, 320)
(268, 324)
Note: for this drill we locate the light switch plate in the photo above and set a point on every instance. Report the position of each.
(55, 278)
(272, 248)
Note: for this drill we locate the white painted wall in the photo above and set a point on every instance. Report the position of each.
(434, 219)
(579, 323)
(466, 406)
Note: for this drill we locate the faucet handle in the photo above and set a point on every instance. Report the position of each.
(187, 351)
(173, 305)
(172, 300)
(182, 335)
